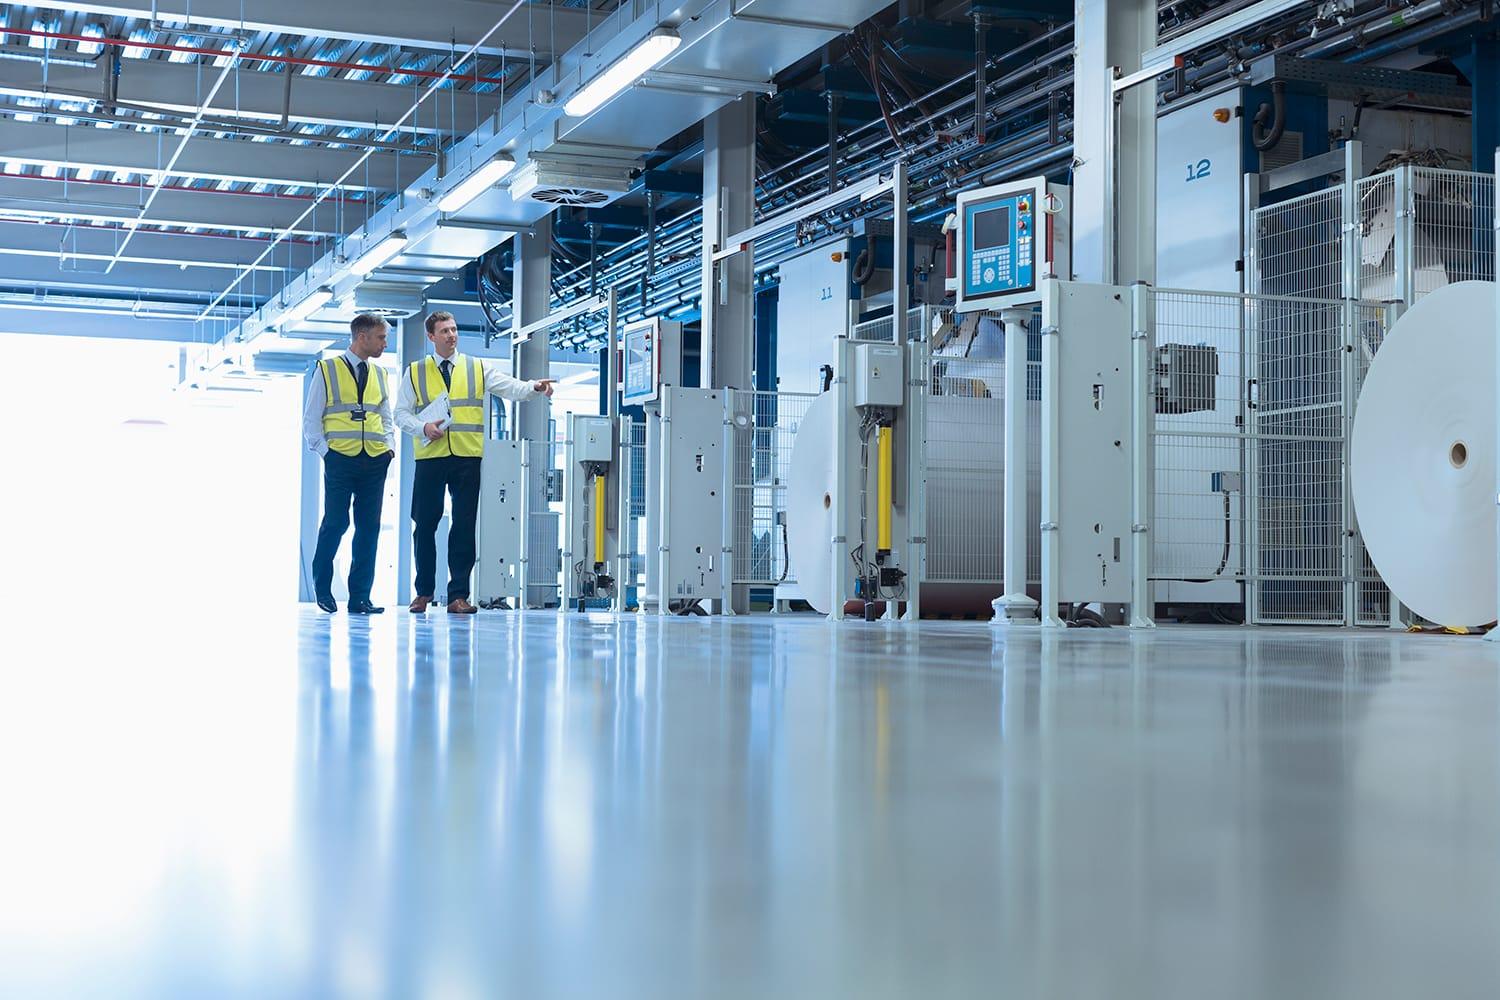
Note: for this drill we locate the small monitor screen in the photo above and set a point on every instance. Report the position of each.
(991, 228)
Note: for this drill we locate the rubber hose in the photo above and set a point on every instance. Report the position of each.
(1275, 112)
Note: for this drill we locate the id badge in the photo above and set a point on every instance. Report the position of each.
(358, 415)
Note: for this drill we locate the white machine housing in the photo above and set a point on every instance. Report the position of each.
(497, 568)
(684, 498)
(1096, 408)
(590, 453)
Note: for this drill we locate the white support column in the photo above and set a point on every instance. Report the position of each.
(1015, 606)
(531, 302)
(728, 304)
(411, 338)
(625, 466)
(1142, 471)
(312, 491)
(1494, 634)
(841, 484)
(918, 367)
(728, 323)
(900, 299)
(1051, 454)
(1114, 182)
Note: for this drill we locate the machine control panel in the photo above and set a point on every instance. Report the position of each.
(651, 356)
(1010, 237)
(999, 245)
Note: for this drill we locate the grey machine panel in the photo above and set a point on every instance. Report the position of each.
(498, 567)
(1086, 434)
(692, 475)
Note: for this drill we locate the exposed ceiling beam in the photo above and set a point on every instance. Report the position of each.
(255, 94)
(55, 318)
(169, 251)
(434, 24)
(120, 149)
(37, 271)
(104, 203)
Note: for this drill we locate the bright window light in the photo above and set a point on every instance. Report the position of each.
(636, 63)
(379, 254)
(91, 48)
(299, 312)
(476, 184)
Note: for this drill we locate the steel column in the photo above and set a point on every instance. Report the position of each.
(411, 346)
(1114, 138)
(532, 292)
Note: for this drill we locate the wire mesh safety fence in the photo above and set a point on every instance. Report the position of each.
(1298, 421)
(762, 462)
(1372, 599)
(1250, 445)
(918, 321)
(964, 456)
(544, 555)
(633, 480)
(1298, 247)
(1199, 451)
(1408, 232)
(1375, 239)
(1453, 213)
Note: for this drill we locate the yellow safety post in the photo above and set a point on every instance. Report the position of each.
(599, 518)
(885, 477)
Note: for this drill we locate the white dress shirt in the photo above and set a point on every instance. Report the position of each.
(317, 398)
(496, 383)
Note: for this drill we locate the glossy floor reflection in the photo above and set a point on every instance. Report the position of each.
(563, 806)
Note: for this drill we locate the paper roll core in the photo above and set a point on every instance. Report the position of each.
(1458, 454)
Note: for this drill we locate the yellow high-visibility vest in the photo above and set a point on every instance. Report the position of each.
(341, 400)
(465, 436)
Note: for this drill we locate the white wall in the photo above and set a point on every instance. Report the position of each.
(122, 490)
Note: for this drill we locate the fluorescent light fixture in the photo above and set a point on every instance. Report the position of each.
(476, 184)
(636, 64)
(299, 312)
(379, 254)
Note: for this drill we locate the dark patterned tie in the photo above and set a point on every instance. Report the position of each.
(447, 368)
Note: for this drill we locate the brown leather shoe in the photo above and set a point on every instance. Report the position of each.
(461, 606)
(419, 606)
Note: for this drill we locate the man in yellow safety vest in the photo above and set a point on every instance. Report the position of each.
(347, 420)
(448, 453)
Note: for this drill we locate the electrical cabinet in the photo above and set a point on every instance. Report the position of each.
(593, 440)
(878, 375)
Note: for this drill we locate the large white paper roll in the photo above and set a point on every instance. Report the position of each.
(809, 503)
(1423, 456)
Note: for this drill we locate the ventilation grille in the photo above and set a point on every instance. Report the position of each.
(1284, 153)
(569, 196)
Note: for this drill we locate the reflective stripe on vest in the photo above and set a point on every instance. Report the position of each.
(344, 434)
(465, 436)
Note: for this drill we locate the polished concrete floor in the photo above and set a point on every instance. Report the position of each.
(282, 804)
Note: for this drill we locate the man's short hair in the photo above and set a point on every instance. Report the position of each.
(433, 319)
(366, 323)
